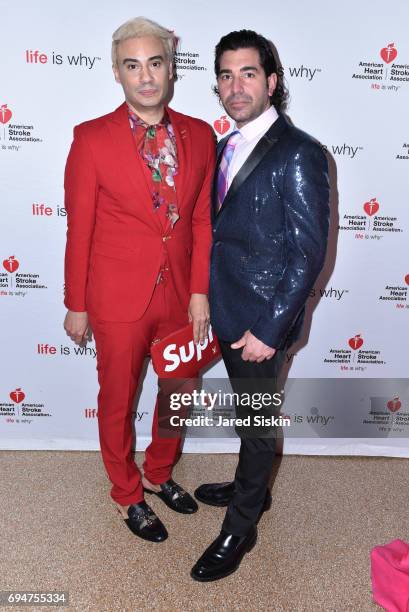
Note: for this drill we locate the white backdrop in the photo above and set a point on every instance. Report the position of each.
(347, 69)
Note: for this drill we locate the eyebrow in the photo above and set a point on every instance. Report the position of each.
(135, 61)
(243, 69)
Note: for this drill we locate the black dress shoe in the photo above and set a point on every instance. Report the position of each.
(215, 494)
(223, 556)
(143, 522)
(221, 493)
(175, 497)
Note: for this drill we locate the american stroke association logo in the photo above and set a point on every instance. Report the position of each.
(14, 283)
(404, 153)
(5, 114)
(354, 356)
(17, 410)
(394, 404)
(12, 135)
(222, 125)
(388, 415)
(371, 223)
(383, 72)
(17, 396)
(188, 61)
(397, 294)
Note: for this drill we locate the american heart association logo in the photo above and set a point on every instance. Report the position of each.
(394, 404)
(222, 125)
(371, 207)
(407, 279)
(5, 113)
(389, 53)
(17, 395)
(356, 342)
(11, 264)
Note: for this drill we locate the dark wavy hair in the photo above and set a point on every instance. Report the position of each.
(245, 39)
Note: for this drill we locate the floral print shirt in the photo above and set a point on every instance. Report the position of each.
(157, 147)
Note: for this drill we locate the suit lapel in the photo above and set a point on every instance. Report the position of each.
(264, 145)
(131, 161)
(183, 146)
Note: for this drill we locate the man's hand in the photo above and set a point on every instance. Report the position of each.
(199, 313)
(76, 326)
(254, 349)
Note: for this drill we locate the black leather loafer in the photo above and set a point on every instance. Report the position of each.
(221, 493)
(143, 522)
(223, 556)
(175, 497)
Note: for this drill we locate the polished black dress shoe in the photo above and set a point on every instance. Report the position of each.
(221, 493)
(215, 494)
(175, 497)
(223, 556)
(143, 522)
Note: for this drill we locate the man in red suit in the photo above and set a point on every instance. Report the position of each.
(137, 186)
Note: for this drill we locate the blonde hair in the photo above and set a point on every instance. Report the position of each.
(138, 27)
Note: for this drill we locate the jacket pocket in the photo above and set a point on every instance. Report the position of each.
(114, 251)
(255, 263)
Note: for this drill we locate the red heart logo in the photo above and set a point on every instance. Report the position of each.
(389, 53)
(222, 125)
(11, 264)
(356, 342)
(5, 113)
(407, 279)
(371, 207)
(394, 405)
(17, 396)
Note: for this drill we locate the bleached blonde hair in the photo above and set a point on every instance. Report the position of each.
(138, 27)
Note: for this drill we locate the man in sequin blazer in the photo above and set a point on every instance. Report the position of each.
(270, 225)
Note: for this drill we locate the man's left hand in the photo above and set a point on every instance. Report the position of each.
(254, 349)
(199, 313)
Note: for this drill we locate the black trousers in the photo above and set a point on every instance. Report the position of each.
(256, 453)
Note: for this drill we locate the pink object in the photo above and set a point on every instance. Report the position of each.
(390, 576)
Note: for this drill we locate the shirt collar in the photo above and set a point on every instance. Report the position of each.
(260, 125)
(136, 120)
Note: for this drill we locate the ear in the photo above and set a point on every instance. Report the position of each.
(116, 73)
(170, 71)
(272, 83)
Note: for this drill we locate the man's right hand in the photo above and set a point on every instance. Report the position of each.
(76, 326)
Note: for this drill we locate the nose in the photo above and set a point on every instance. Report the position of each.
(146, 75)
(236, 85)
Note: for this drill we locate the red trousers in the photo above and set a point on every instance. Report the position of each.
(121, 351)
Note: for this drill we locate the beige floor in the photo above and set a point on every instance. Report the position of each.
(61, 532)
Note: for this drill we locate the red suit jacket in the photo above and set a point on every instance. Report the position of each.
(115, 241)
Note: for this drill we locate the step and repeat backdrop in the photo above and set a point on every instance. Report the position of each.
(347, 70)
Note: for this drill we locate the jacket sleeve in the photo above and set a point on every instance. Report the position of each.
(201, 225)
(306, 210)
(80, 183)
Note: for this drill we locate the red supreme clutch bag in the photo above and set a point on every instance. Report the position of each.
(177, 356)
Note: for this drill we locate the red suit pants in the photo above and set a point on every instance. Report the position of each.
(121, 351)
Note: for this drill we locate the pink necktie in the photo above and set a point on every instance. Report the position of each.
(224, 167)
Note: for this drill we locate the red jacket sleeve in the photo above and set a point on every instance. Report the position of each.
(81, 188)
(201, 225)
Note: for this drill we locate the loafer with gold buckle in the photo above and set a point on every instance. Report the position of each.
(144, 523)
(175, 497)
